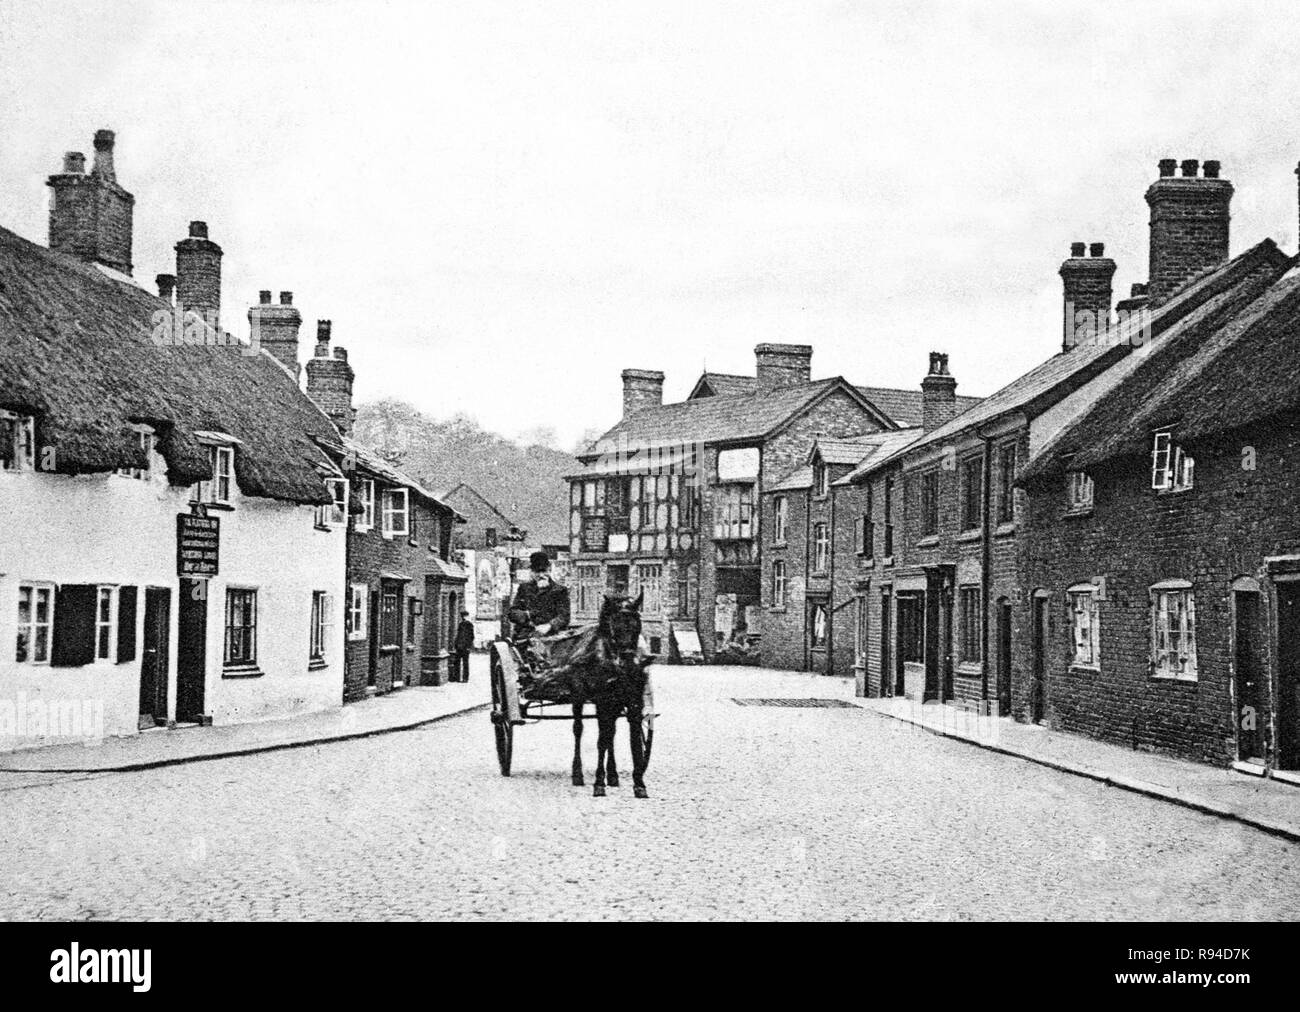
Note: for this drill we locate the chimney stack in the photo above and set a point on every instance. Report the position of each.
(90, 214)
(642, 388)
(1189, 224)
(329, 380)
(166, 287)
(1087, 282)
(198, 274)
(780, 365)
(275, 328)
(938, 393)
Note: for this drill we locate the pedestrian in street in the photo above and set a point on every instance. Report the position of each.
(463, 645)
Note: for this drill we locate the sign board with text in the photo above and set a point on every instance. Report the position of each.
(198, 542)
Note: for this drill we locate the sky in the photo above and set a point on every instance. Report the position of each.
(501, 206)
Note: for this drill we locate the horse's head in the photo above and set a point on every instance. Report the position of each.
(620, 623)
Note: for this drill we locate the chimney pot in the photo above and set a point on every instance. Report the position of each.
(104, 140)
(938, 393)
(198, 273)
(323, 328)
(1097, 249)
(74, 163)
(166, 286)
(199, 229)
(1190, 224)
(1190, 166)
(264, 297)
(1210, 169)
(91, 216)
(286, 298)
(1168, 166)
(341, 354)
(1076, 249)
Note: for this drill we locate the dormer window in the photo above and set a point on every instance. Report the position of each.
(148, 441)
(1172, 468)
(821, 479)
(336, 513)
(366, 492)
(17, 442)
(218, 488)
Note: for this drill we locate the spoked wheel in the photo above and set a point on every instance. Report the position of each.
(648, 720)
(502, 727)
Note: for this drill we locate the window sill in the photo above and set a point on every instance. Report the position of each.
(356, 637)
(1084, 669)
(1162, 677)
(974, 534)
(970, 668)
(391, 648)
(1173, 491)
(929, 541)
(225, 507)
(1005, 530)
(242, 671)
(1077, 511)
(780, 544)
(316, 664)
(820, 572)
(888, 560)
(780, 609)
(324, 528)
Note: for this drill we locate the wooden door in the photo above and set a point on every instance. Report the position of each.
(154, 658)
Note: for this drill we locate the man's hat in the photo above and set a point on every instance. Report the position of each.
(539, 562)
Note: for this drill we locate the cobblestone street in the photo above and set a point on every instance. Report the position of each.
(755, 812)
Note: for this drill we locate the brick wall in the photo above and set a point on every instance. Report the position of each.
(1221, 529)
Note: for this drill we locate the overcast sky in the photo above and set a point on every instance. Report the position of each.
(502, 205)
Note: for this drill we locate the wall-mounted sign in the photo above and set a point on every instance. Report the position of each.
(595, 534)
(198, 540)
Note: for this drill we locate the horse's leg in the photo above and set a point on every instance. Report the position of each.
(577, 745)
(602, 747)
(611, 763)
(636, 733)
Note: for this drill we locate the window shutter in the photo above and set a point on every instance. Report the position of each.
(1189, 639)
(126, 624)
(1155, 637)
(74, 625)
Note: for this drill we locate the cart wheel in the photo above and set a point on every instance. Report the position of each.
(648, 719)
(502, 728)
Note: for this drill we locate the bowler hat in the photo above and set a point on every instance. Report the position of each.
(539, 562)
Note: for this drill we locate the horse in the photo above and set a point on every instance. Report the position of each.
(603, 666)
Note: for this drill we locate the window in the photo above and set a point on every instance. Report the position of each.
(821, 479)
(618, 503)
(366, 493)
(972, 489)
(218, 488)
(335, 514)
(780, 517)
(17, 442)
(1084, 626)
(35, 618)
(105, 623)
(489, 537)
(241, 627)
(1171, 467)
(322, 610)
(821, 548)
(971, 617)
(889, 517)
(649, 581)
(733, 512)
(148, 443)
(929, 503)
(1006, 483)
(356, 623)
(688, 591)
(591, 588)
(396, 512)
(866, 535)
(1173, 630)
(1080, 490)
(778, 585)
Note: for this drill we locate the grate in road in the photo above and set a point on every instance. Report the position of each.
(800, 701)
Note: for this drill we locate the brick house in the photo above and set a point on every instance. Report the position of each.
(492, 548)
(667, 501)
(1160, 556)
(944, 608)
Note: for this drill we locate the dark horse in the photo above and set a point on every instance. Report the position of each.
(605, 667)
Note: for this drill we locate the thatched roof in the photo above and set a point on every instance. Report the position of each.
(1234, 362)
(76, 352)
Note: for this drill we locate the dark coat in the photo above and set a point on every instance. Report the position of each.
(464, 636)
(541, 604)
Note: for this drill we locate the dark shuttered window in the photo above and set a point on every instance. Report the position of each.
(74, 625)
(125, 624)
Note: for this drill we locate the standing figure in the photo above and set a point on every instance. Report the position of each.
(463, 645)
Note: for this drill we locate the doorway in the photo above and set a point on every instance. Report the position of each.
(191, 659)
(1248, 676)
(888, 677)
(154, 660)
(819, 633)
(1288, 674)
(938, 633)
(1004, 656)
(1038, 685)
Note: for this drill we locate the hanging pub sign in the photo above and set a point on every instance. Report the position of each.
(198, 539)
(595, 534)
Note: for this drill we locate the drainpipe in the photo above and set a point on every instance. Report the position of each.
(986, 565)
(830, 576)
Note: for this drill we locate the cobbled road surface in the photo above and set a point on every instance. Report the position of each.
(754, 812)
